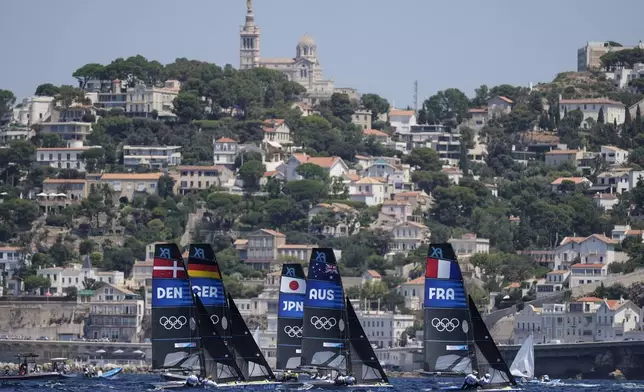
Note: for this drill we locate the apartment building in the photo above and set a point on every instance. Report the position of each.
(225, 151)
(156, 157)
(138, 101)
(196, 178)
(129, 183)
(116, 313)
(73, 276)
(265, 247)
(70, 157)
(72, 130)
(362, 118)
(470, 244)
(345, 218)
(614, 111)
(384, 329)
(11, 258)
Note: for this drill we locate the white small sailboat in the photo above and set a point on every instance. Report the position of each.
(523, 365)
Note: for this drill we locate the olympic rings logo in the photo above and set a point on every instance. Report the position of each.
(293, 331)
(214, 318)
(172, 322)
(445, 324)
(323, 322)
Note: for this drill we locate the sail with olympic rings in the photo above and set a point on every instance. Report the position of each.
(448, 338)
(290, 316)
(324, 333)
(175, 333)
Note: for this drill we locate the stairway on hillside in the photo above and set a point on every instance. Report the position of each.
(193, 219)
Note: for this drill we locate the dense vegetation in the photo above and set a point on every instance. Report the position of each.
(221, 101)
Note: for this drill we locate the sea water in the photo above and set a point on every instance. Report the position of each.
(137, 383)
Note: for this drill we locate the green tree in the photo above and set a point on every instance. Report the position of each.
(88, 72)
(424, 159)
(47, 90)
(188, 107)
(7, 99)
(311, 171)
(36, 282)
(446, 105)
(375, 103)
(94, 159)
(600, 115)
(341, 106)
(250, 173)
(165, 186)
(68, 95)
(50, 140)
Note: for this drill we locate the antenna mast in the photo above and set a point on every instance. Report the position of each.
(416, 96)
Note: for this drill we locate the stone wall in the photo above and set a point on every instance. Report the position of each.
(36, 319)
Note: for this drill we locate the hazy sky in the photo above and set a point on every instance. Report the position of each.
(373, 45)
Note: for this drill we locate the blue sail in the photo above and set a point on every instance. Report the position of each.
(290, 314)
(324, 341)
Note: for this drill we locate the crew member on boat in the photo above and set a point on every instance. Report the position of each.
(192, 381)
(471, 380)
(485, 380)
(545, 378)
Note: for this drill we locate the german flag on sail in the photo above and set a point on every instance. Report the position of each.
(211, 271)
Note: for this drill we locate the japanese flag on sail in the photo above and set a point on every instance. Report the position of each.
(292, 285)
(443, 269)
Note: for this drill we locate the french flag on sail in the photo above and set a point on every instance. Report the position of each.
(443, 269)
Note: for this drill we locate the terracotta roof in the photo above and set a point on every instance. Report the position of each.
(613, 303)
(273, 232)
(561, 152)
(582, 265)
(395, 112)
(374, 273)
(633, 232)
(325, 162)
(572, 239)
(368, 180)
(374, 132)
(589, 299)
(225, 140)
(362, 157)
(270, 173)
(412, 223)
(558, 272)
(241, 241)
(274, 121)
(506, 99)
(63, 181)
(131, 176)
(213, 167)
(10, 249)
(407, 194)
(396, 203)
(352, 176)
(601, 101)
(513, 285)
(419, 280)
(576, 180)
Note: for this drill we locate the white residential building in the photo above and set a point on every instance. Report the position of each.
(590, 107)
(408, 236)
(142, 277)
(615, 318)
(585, 273)
(115, 313)
(619, 180)
(555, 281)
(400, 210)
(613, 155)
(67, 130)
(384, 329)
(225, 152)
(559, 157)
(137, 101)
(369, 191)
(594, 249)
(499, 106)
(15, 132)
(64, 157)
(151, 156)
(606, 201)
(446, 143)
(470, 244)
(74, 276)
(334, 166)
(621, 232)
(345, 218)
(412, 291)
(277, 132)
(402, 120)
(11, 258)
(559, 185)
(33, 110)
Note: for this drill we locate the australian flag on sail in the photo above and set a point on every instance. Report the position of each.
(444, 286)
(324, 287)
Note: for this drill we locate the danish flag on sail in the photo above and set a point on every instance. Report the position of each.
(168, 269)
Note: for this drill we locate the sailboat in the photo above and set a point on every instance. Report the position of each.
(329, 344)
(457, 340)
(242, 359)
(523, 365)
(290, 314)
(176, 344)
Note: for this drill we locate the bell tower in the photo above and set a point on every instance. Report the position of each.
(249, 40)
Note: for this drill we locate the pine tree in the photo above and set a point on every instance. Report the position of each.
(600, 116)
(638, 121)
(627, 119)
(565, 111)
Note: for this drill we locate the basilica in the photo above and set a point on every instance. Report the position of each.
(304, 68)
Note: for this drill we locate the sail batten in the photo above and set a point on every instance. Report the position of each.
(175, 337)
(290, 316)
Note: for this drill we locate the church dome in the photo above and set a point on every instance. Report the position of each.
(306, 40)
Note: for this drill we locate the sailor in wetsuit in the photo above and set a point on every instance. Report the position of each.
(471, 381)
(485, 380)
(350, 380)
